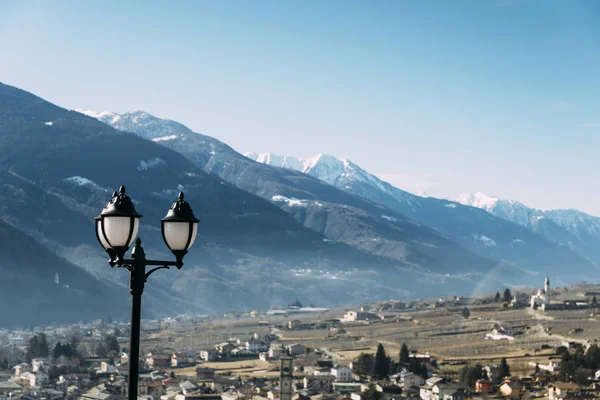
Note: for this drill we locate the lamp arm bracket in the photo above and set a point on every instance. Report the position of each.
(154, 270)
(157, 262)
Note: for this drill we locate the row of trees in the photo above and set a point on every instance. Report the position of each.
(579, 366)
(38, 347)
(470, 374)
(506, 297)
(381, 365)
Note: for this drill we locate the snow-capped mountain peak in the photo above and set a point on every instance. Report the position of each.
(108, 117)
(341, 173)
(479, 200)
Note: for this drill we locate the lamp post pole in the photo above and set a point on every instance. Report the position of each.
(137, 280)
(116, 227)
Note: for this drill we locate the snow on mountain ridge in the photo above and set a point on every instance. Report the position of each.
(584, 227)
(342, 173)
(108, 117)
(478, 200)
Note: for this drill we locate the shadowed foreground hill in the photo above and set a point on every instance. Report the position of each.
(39, 287)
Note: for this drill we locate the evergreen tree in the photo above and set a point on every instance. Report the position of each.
(364, 364)
(172, 375)
(537, 368)
(382, 363)
(497, 297)
(4, 365)
(507, 296)
(296, 304)
(594, 300)
(504, 369)
(371, 393)
(58, 350)
(465, 313)
(404, 355)
(37, 347)
(469, 375)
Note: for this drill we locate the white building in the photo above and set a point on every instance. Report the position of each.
(277, 352)
(352, 316)
(342, 374)
(256, 346)
(542, 298)
(37, 380)
(411, 380)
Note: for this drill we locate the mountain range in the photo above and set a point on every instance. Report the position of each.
(512, 249)
(273, 229)
(59, 167)
(573, 228)
(513, 245)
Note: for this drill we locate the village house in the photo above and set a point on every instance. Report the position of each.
(256, 346)
(342, 374)
(277, 352)
(295, 349)
(294, 324)
(550, 367)
(225, 348)
(321, 383)
(409, 380)
(40, 365)
(449, 391)
(352, 316)
(423, 358)
(209, 355)
(158, 361)
(183, 358)
(38, 379)
(512, 390)
(483, 386)
(558, 390)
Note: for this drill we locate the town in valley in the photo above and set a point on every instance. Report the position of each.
(525, 344)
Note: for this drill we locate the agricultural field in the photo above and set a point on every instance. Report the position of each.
(443, 332)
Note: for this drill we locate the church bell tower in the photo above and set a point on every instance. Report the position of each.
(286, 378)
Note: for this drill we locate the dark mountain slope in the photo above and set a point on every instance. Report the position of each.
(39, 287)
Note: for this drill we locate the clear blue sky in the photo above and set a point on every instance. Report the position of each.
(497, 96)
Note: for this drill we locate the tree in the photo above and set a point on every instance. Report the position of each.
(296, 304)
(404, 356)
(38, 347)
(594, 300)
(382, 363)
(364, 364)
(504, 369)
(507, 296)
(537, 368)
(469, 375)
(371, 393)
(172, 375)
(58, 350)
(465, 313)
(4, 365)
(497, 297)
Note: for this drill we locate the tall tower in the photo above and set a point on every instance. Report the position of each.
(286, 378)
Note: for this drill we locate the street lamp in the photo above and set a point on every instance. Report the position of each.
(116, 229)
